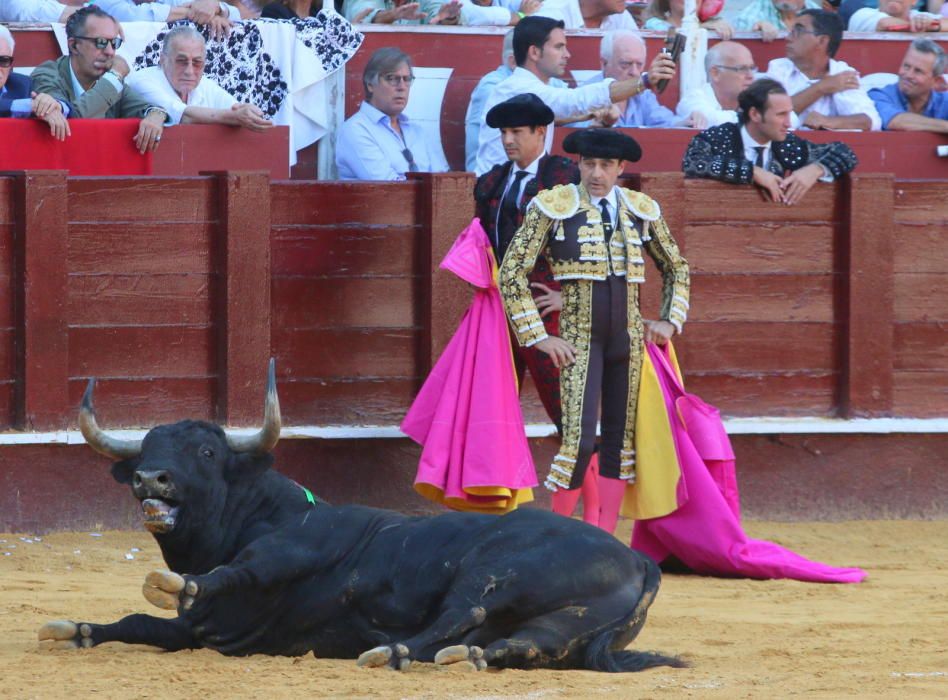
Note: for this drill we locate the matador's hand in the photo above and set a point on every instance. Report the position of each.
(658, 332)
(549, 301)
(561, 352)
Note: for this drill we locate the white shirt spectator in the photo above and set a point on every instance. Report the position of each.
(497, 14)
(572, 16)
(845, 103)
(158, 11)
(152, 84)
(866, 19)
(565, 102)
(31, 10)
(705, 101)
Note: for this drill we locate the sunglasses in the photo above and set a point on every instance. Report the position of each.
(6, 61)
(412, 165)
(101, 43)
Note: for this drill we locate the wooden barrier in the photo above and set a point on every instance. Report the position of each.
(174, 291)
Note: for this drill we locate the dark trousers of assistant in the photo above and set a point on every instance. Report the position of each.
(607, 380)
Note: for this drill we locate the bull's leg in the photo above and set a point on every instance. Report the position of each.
(171, 635)
(450, 626)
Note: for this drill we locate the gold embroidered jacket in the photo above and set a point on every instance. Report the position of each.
(564, 226)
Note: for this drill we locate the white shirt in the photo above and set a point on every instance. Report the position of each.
(612, 205)
(564, 101)
(158, 11)
(705, 101)
(866, 19)
(845, 103)
(31, 10)
(152, 84)
(751, 146)
(572, 16)
(495, 14)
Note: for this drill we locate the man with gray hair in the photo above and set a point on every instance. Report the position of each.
(379, 142)
(913, 103)
(179, 87)
(730, 69)
(622, 56)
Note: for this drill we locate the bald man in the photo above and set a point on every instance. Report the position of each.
(731, 69)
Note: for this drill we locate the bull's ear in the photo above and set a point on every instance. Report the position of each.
(122, 471)
(249, 464)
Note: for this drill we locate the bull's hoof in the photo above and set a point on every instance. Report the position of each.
(374, 658)
(66, 635)
(162, 588)
(396, 657)
(471, 658)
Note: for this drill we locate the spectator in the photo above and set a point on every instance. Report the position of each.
(589, 14)
(770, 17)
(217, 16)
(390, 12)
(622, 55)
(379, 142)
(540, 52)
(826, 92)
(179, 87)
(38, 10)
(498, 13)
(290, 9)
(913, 104)
(90, 81)
(17, 98)
(896, 15)
(760, 149)
(662, 14)
(475, 109)
(730, 69)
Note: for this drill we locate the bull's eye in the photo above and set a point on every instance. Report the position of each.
(207, 453)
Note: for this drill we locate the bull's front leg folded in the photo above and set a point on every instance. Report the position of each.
(171, 635)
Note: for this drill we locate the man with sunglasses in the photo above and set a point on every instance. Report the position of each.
(17, 98)
(379, 142)
(90, 81)
(826, 93)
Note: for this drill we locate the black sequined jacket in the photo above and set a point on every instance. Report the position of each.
(718, 153)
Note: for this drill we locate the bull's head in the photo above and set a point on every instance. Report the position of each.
(187, 464)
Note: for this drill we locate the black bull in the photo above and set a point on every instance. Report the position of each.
(258, 568)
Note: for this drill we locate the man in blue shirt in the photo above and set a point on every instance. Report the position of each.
(622, 55)
(379, 142)
(913, 104)
(16, 93)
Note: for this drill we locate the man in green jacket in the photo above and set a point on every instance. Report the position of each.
(90, 81)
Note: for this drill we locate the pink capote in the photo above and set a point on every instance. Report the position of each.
(467, 415)
(705, 532)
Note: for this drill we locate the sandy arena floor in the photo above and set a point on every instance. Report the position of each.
(886, 638)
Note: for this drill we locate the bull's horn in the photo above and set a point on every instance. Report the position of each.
(269, 434)
(98, 439)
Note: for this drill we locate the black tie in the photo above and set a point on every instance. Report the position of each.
(606, 219)
(760, 156)
(508, 213)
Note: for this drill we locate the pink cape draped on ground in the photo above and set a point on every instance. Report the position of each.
(705, 532)
(467, 415)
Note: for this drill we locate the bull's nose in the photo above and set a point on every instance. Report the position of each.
(158, 482)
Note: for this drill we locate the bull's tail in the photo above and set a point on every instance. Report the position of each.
(602, 653)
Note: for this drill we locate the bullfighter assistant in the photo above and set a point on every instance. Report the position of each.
(593, 236)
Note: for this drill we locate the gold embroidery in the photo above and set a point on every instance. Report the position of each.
(559, 202)
(641, 204)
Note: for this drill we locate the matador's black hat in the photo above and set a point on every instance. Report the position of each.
(520, 110)
(602, 143)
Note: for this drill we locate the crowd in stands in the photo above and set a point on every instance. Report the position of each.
(807, 89)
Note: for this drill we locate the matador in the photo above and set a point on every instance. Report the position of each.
(593, 235)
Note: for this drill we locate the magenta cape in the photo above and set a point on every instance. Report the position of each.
(705, 531)
(467, 415)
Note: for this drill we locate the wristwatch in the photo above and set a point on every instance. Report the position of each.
(646, 83)
(117, 76)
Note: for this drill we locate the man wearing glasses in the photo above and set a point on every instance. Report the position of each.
(825, 92)
(90, 81)
(379, 142)
(730, 69)
(17, 98)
